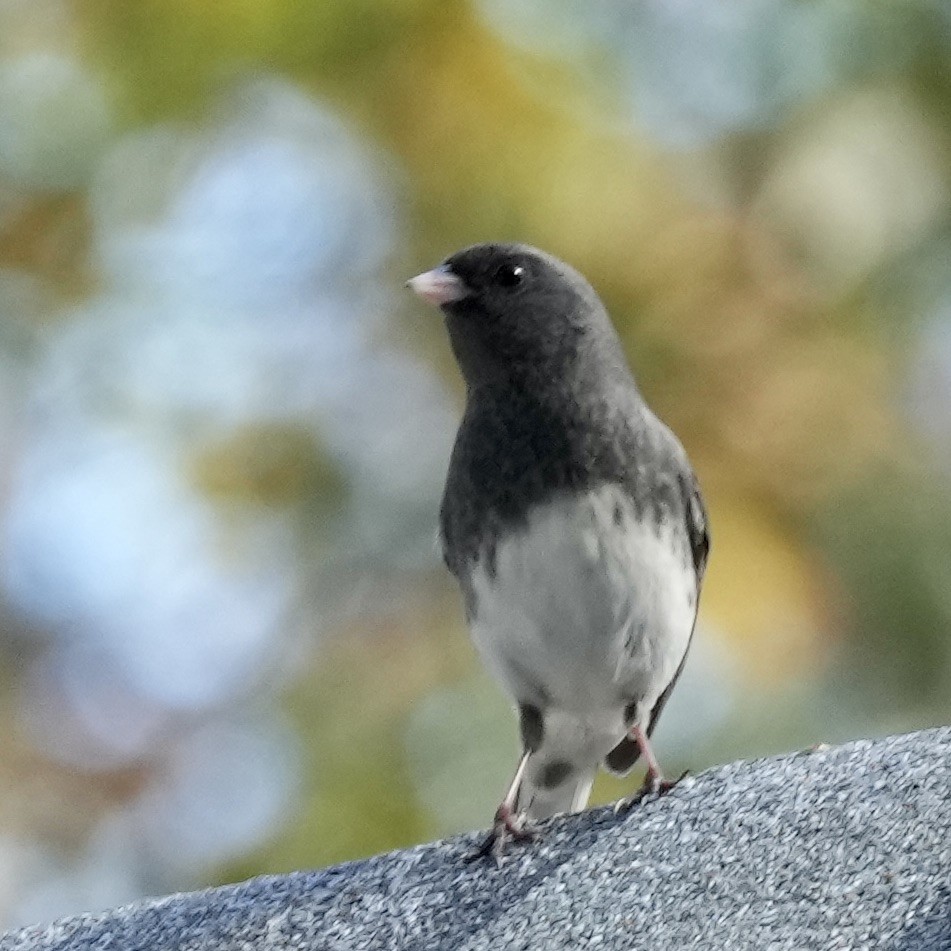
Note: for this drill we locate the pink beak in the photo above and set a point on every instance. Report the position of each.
(438, 286)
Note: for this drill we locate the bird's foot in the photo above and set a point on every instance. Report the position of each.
(508, 827)
(654, 785)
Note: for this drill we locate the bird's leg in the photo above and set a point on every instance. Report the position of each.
(654, 782)
(508, 823)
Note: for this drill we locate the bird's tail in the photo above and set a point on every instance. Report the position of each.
(541, 796)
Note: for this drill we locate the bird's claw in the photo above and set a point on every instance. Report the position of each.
(654, 785)
(508, 827)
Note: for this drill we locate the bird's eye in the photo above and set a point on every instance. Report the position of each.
(510, 275)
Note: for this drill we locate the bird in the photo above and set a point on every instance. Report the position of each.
(573, 523)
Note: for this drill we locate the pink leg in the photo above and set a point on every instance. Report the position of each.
(654, 782)
(508, 824)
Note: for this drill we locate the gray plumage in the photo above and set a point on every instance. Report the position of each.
(571, 518)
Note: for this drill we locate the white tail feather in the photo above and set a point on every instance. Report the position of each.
(571, 796)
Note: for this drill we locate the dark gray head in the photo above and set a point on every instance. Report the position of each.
(511, 308)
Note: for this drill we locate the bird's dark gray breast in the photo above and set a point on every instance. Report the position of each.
(516, 450)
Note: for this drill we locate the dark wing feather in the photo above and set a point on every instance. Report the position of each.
(698, 531)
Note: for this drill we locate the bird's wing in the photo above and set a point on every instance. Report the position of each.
(695, 515)
(439, 546)
(625, 754)
(698, 534)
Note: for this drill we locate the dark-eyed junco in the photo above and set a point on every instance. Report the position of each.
(572, 521)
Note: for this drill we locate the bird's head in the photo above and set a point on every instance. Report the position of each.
(511, 307)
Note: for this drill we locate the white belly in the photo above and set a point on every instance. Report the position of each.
(588, 611)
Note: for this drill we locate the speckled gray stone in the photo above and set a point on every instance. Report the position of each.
(843, 848)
